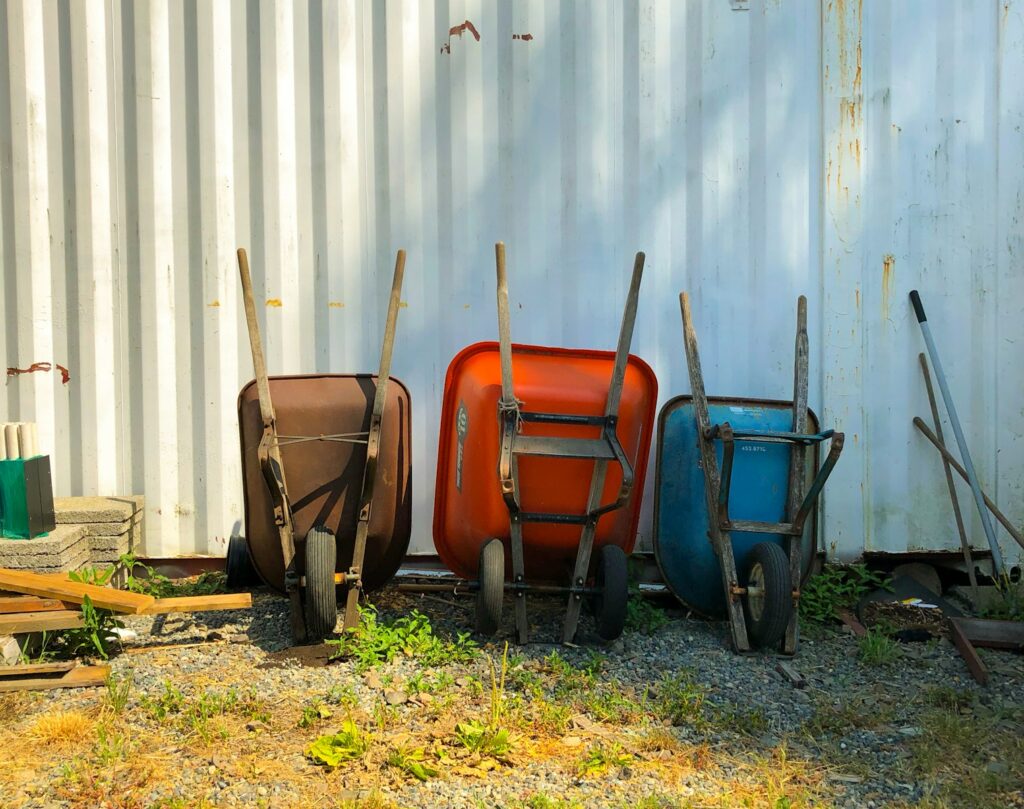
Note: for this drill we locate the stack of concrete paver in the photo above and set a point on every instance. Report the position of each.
(113, 525)
(64, 549)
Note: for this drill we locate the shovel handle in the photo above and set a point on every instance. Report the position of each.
(915, 301)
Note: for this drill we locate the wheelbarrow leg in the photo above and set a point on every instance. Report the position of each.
(611, 411)
(269, 454)
(797, 472)
(508, 471)
(354, 579)
(721, 540)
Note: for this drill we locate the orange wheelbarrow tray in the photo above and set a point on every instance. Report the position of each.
(570, 446)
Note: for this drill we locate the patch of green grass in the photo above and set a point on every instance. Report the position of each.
(490, 739)
(949, 699)
(877, 649)
(643, 616)
(331, 751)
(600, 758)
(110, 745)
(1009, 603)
(424, 683)
(119, 691)
(376, 642)
(343, 694)
(543, 801)
(843, 715)
(679, 699)
(966, 759)
(194, 715)
(834, 588)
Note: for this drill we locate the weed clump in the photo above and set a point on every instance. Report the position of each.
(333, 750)
(376, 642)
(836, 587)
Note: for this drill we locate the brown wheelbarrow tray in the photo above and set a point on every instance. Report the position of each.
(326, 465)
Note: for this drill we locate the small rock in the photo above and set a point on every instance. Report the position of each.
(214, 635)
(463, 682)
(372, 680)
(571, 741)
(394, 697)
(262, 791)
(424, 698)
(910, 731)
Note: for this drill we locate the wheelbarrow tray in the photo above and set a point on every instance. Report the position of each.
(468, 505)
(760, 475)
(325, 478)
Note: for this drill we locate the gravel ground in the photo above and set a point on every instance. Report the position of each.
(741, 734)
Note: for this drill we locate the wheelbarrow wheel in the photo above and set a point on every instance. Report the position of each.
(491, 594)
(768, 603)
(321, 593)
(238, 567)
(613, 584)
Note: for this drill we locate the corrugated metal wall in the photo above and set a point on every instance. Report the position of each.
(755, 150)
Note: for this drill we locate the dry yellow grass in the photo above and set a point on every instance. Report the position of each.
(61, 730)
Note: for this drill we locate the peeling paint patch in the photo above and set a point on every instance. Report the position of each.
(335, 305)
(458, 31)
(275, 302)
(523, 37)
(35, 367)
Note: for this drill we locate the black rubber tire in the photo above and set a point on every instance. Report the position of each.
(490, 598)
(238, 566)
(321, 595)
(768, 616)
(613, 582)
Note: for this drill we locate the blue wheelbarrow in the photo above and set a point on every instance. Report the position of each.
(721, 457)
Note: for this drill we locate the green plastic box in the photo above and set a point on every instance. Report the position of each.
(26, 498)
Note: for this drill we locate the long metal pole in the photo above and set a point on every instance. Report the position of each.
(965, 454)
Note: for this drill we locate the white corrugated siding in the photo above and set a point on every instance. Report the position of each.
(755, 151)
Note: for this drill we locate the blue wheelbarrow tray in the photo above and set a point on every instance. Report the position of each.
(760, 477)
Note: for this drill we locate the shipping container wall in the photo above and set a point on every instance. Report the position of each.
(755, 150)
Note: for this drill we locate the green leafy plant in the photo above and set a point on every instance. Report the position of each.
(489, 738)
(836, 587)
(412, 761)
(643, 616)
(99, 577)
(1008, 605)
(95, 634)
(314, 712)
(601, 758)
(877, 649)
(334, 750)
(375, 642)
(110, 746)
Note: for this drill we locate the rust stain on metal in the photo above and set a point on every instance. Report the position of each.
(458, 31)
(35, 367)
(888, 274)
(403, 304)
(214, 304)
(523, 37)
(335, 305)
(275, 302)
(856, 298)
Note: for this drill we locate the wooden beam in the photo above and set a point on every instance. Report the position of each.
(36, 668)
(9, 604)
(78, 677)
(107, 598)
(967, 651)
(221, 601)
(851, 621)
(22, 622)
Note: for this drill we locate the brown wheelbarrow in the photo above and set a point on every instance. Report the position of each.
(327, 482)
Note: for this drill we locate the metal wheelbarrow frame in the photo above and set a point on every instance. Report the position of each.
(763, 607)
(610, 590)
(314, 616)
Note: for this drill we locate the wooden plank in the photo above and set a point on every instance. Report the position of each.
(35, 668)
(78, 677)
(39, 621)
(851, 621)
(9, 604)
(970, 655)
(993, 634)
(50, 587)
(794, 677)
(222, 601)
